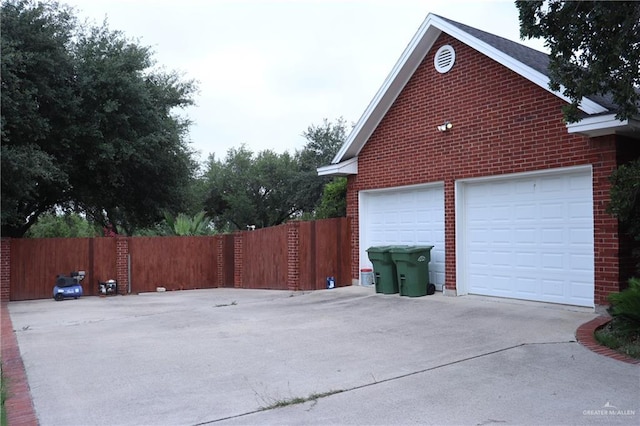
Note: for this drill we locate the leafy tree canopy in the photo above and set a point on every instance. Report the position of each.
(66, 225)
(87, 123)
(625, 197)
(595, 49)
(267, 189)
(247, 189)
(323, 143)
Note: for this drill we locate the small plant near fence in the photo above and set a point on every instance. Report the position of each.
(3, 397)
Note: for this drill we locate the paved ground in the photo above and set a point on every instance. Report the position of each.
(226, 356)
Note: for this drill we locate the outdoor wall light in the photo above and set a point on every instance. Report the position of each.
(444, 127)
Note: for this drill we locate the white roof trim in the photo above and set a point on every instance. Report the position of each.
(409, 61)
(348, 167)
(603, 125)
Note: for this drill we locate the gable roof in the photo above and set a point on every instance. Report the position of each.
(529, 63)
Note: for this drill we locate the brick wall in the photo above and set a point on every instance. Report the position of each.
(5, 269)
(502, 123)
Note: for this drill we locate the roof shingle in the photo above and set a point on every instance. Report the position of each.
(535, 59)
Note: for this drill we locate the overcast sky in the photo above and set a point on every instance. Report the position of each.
(269, 69)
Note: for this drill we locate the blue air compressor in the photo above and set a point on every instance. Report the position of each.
(68, 286)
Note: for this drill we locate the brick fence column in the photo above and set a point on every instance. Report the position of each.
(219, 244)
(122, 264)
(5, 270)
(238, 260)
(293, 256)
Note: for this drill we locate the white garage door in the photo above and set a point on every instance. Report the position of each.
(412, 216)
(530, 237)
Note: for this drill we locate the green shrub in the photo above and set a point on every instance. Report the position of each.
(183, 224)
(626, 304)
(334, 199)
(621, 335)
(63, 225)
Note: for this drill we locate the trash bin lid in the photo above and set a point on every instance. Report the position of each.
(409, 249)
(383, 249)
(378, 249)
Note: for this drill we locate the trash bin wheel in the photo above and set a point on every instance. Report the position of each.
(431, 288)
(59, 297)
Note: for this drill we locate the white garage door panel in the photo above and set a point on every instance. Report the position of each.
(413, 216)
(530, 237)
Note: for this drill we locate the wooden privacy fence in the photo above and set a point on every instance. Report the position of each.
(175, 263)
(294, 256)
(36, 262)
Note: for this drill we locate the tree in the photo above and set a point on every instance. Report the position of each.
(247, 189)
(323, 143)
(625, 203)
(99, 134)
(334, 199)
(37, 108)
(625, 197)
(183, 224)
(134, 147)
(595, 49)
(66, 225)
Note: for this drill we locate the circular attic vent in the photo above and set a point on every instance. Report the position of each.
(444, 59)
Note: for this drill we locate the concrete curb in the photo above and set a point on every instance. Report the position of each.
(585, 335)
(19, 405)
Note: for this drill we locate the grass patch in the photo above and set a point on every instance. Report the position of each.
(621, 335)
(3, 397)
(299, 400)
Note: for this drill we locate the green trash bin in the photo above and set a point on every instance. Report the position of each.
(412, 268)
(384, 269)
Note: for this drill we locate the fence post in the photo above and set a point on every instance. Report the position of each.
(5, 270)
(293, 256)
(238, 259)
(122, 264)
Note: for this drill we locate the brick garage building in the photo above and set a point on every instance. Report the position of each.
(464, 148)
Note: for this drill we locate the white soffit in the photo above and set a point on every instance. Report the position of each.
(604, 125)
(348, 167)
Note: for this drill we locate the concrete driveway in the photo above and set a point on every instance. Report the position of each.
(347, 356)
